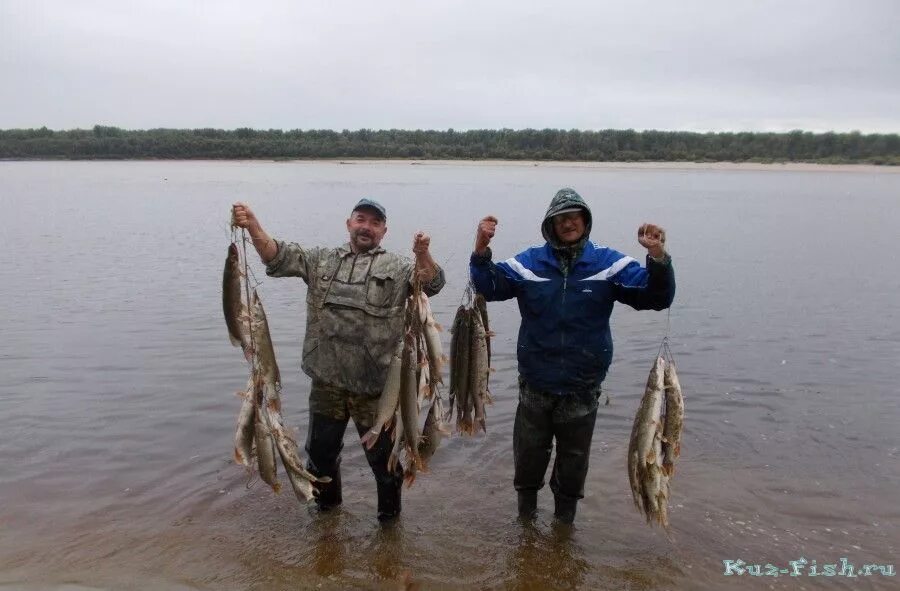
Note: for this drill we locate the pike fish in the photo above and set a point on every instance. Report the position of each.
(656, 485)
(461, 367)
(481, 306)
(433, 433)
(234, 308)
(388, 401)
(430, 441)
(671, 437)
(246, 428)
(478, 370)
(409, 402)
(301, 480)
(655, 443)
(433, 341)
(397, 434)
(641, 449)
(470, 361)
(265, 445)
(458, 382)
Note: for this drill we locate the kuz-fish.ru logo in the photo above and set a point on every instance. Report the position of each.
(802, 567)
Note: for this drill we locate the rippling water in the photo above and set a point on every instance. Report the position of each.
(117, 403)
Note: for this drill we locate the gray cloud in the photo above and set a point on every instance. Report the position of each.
(688, 65)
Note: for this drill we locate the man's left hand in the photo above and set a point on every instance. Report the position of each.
(653, 238)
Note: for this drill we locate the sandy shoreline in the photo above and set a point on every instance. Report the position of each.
(725, 166)
(787, 166)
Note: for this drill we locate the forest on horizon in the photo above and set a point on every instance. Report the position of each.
(611, 145)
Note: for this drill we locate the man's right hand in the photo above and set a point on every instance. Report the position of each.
(242, 217)
(486, 229)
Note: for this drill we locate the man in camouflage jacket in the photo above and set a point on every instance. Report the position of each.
(355, 302)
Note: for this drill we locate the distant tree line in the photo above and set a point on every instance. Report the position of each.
(104, 142)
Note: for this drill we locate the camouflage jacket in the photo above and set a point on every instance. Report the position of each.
(354, 310)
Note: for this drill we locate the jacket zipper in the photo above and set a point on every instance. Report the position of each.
(562, 331)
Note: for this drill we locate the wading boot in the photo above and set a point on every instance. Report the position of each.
(564, 509)
(330, 495)
(527, 504)
(324, 442)
(389, 500)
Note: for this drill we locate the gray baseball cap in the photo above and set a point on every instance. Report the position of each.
(371, 203)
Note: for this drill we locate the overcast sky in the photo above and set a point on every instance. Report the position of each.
(696, 65)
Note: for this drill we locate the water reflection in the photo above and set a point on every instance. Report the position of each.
(386, 552)
(343, 546)
(328, 540)
(551, 560)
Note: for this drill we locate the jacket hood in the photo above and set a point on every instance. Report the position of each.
(563, 200)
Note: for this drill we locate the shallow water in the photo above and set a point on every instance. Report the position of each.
(117, 403)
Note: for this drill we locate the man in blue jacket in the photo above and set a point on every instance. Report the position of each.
(566, 290)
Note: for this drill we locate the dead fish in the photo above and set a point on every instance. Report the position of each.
(461, 368)
(455, 342)
(265, 445)
(478, 370)
(409, 402)
(435, 430)
(270, 379)
(432, 335)
(397, 434)
(655, 485)
(302, 481)
(425, 388)
(235, 310)
(641, 450)
(481, 306)
(388, 401)
(246, 427)
(266, 364)
(634, 478)
(647, 419)
(671, 437)
(432, 434)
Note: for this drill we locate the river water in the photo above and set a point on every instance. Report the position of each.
(117, 403)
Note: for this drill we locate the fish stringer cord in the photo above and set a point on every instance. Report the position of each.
(664, 349)
(253, 363)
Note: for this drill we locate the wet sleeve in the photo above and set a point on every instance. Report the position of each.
(437, 282)
(492, 281)
(292, 260)
(652, 288)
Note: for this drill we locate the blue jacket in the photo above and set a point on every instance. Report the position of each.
(565, 344)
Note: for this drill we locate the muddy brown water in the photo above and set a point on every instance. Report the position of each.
(117, 402)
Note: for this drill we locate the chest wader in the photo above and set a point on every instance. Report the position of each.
(331, 408)
(542, 417)
(324, 443)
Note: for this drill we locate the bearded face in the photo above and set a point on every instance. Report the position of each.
(366, 228)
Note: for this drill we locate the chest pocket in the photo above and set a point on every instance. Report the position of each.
(539, 295)
(380, 289)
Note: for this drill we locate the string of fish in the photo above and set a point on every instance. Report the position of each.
(655, 442)
(260, 428)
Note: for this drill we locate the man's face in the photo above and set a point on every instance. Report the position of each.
(366, 228)
(569, 227)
